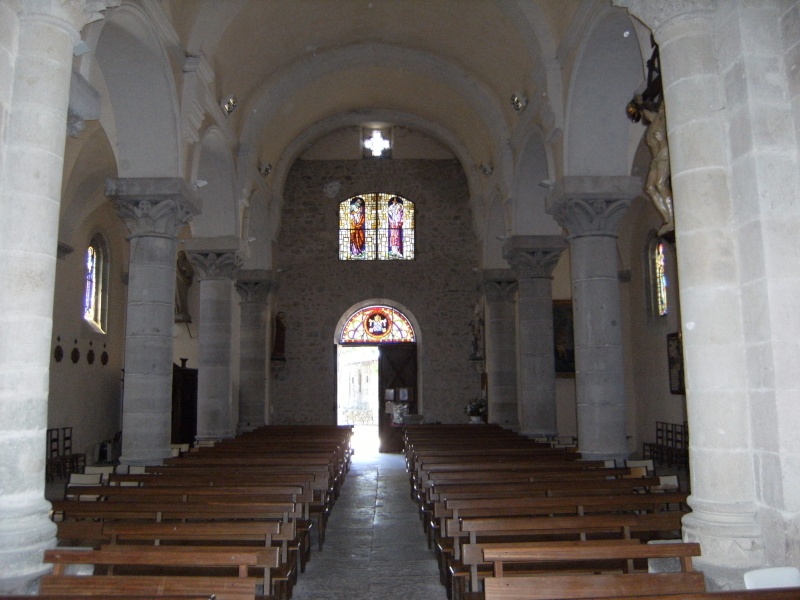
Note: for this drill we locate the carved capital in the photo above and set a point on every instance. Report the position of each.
(499, 285)
(658, 14)
(253, 292)
(592, 206)
(212, 265)
(156, 207)
(534, 256)
(73, 15)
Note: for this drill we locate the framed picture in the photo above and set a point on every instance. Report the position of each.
(675, 361)
(563, 338)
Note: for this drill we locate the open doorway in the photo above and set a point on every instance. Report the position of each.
(377, 388)
(357, 395)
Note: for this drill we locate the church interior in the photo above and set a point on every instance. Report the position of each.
(579, 214)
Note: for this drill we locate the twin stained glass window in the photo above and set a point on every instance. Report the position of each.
(376, 227)
(377, 324)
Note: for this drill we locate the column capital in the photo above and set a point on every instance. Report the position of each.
(592, 206)
(499, 285)
(152, 206)
(73, 15)
(534, 256)
(215, 265)
(657, 15)
(254, 285)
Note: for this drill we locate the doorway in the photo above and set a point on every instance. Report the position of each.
(357, 385)
(376, 376)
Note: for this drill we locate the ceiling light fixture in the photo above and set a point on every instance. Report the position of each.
(518, 102)
(229, 105)
(265, 169)
(487, 169)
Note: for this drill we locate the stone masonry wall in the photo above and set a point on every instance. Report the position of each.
(315, 288)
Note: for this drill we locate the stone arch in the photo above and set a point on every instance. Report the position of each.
(214, 181)
(143, 123)
(607, 71)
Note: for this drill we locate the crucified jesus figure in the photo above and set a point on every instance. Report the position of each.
(657, 185)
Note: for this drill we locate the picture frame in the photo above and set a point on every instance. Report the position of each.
(675, 363)
(563, 338)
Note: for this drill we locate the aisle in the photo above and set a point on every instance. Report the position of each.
(375, 546)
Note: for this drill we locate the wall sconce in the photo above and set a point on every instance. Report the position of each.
(198, 183)
(229, 105)
(265, 170)
(518, 102)
(547, 183)
(487, 169)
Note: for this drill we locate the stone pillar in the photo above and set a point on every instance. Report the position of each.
(36, 54)
(590, 209)
(216, 267)
(500, 289)
(154, 209)
(253, 287)
(726, 149)
(533, 259)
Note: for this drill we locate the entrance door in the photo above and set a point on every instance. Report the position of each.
(397, 371)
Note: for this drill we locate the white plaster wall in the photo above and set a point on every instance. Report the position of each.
(82, 395)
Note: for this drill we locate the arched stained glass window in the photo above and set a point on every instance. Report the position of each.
(95, 298)
(657, 259)
(376, 227)
(377, 324)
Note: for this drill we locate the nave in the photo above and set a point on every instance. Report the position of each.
(374, 543)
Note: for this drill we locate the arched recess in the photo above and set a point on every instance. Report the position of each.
(215, 188)
(391, 330)
(607, 72)
(137, 78)
(530, 191)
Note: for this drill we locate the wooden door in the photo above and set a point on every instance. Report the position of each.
(397, 370)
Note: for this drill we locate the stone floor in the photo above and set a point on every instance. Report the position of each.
(375, 546)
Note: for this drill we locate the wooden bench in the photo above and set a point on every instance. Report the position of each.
(610, 585)
(109, 586)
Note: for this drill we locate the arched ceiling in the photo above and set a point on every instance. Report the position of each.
(293, 64)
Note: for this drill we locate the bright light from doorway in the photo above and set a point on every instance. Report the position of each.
(357, 395)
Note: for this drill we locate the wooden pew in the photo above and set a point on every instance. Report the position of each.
(545, 528)
(107, 586)
(611, 585)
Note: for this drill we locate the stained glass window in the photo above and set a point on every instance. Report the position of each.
(658, 277)
(95, 297)
(376, 227)
(377, 324)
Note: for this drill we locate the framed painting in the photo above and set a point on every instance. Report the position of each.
(675, 363)
(563, 338)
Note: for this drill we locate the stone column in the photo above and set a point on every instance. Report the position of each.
(726, 149)
(154, 209)
(590, 209)
(216, 267)
(36, 56)
(253, 287)
(533, 259)
(500, 290)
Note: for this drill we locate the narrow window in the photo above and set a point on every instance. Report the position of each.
(657, 260)
(95, 298)
(376, 227)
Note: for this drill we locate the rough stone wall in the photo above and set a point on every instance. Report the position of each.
(315, 288)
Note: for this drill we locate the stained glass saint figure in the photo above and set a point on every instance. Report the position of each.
(395, 214)
(357, 229)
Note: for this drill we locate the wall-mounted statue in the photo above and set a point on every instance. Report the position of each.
(184, 276)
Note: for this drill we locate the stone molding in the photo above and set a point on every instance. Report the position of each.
(215, 265)
(534, 256)
(658, 14)
(152, 207)
(592, 206)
